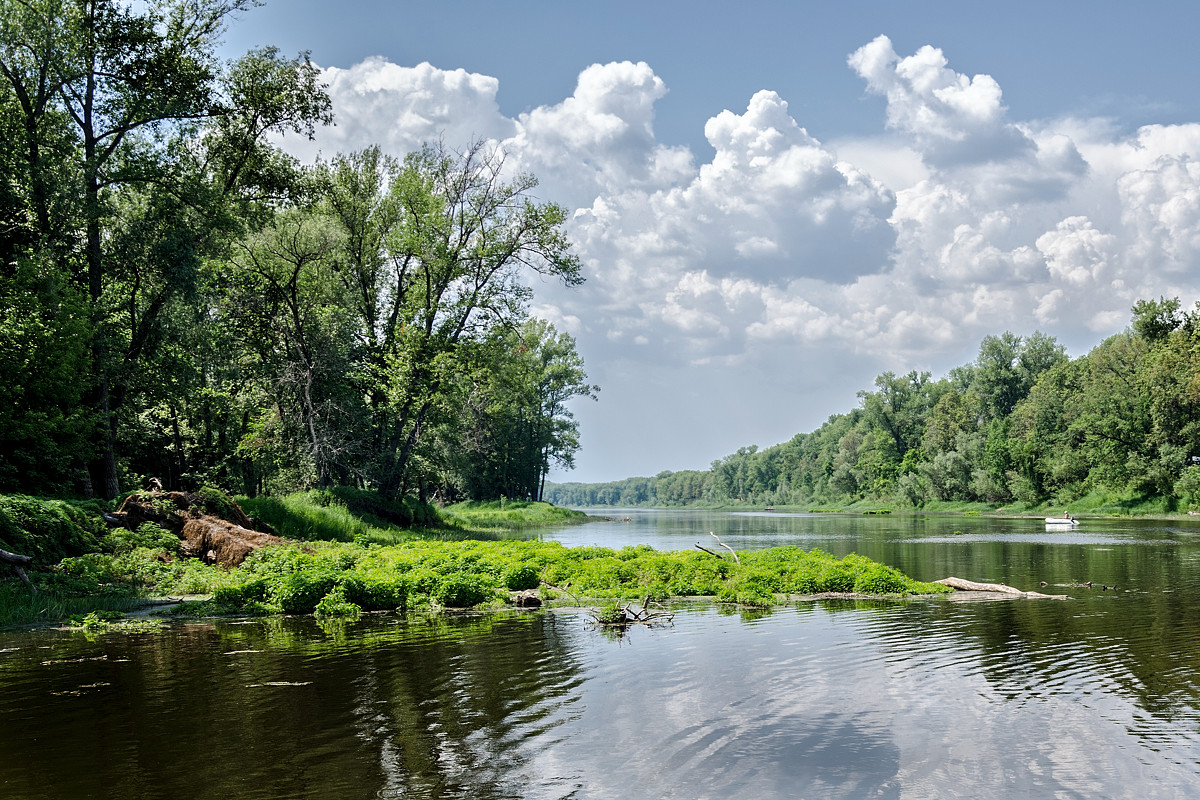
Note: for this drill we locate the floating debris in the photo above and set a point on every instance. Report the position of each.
(618, 616)
(75, 660)
(278, 683)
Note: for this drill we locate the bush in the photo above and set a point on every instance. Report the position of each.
(148, 535)
(376, 593)
(243, 593)
(880, 579)
(1187, 488)
(335, 604)
(48, 530)
(521, 577)
(219, 504)
(463, 591)
(93, 568)
(300, 592)
(836, 577)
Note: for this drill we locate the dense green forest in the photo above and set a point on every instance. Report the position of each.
(181, 300)
(1022, 423)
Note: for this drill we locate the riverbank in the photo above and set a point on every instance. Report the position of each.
(342, 556)
(1093, 505)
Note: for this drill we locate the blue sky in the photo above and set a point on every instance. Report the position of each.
(775, 202)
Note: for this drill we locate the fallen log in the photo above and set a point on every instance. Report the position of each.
(622, 617)
(971, 586)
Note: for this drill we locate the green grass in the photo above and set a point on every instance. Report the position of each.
(508, 515)
(54, 603)
(342, 514)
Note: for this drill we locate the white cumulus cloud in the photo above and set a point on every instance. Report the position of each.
(892, 252)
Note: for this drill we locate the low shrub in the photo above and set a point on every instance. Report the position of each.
(520, 577)
(239, 595)
(335, 604)
(377, 592)
(300, 592)
(48, 530)
(880, 579)
(463, 591)
(148, 535)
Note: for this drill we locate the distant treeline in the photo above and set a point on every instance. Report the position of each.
(1020, 423)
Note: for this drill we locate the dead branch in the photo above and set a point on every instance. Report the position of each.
(710, 552)
(727, 547)
(562, 589)
(18, 563)
(628, 615)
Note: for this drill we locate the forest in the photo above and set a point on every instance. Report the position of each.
(182, 301)
(1021, 424)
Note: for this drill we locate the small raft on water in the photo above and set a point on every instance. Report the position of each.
(1067, 521)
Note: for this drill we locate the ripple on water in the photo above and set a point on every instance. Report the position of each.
(1074, 699)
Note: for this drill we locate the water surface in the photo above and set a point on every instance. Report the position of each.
(1092, 697)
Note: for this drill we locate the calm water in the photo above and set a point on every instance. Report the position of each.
(1097, 696)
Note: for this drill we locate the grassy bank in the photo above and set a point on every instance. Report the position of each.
(352, 552)
(508, 515)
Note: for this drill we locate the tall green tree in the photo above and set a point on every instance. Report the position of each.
(467, 238)
(519, 425)
(112, 98)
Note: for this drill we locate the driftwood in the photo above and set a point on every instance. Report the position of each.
(628, 615)
(19, 563)
(718, 555)
(999, 588)
(526, 599)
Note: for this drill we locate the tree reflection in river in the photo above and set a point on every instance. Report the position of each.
(1094, 696)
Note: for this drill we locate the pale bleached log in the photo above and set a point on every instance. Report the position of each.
(971, 586)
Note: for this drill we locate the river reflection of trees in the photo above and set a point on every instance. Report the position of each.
(424, 707)
(1141, 640)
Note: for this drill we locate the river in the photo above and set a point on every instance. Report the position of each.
(1096, 696)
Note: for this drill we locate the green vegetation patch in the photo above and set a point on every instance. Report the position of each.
(338, 579)
(509, 514)
(341, 514)
(49, 530)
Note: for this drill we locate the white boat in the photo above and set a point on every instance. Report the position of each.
(1061, 521)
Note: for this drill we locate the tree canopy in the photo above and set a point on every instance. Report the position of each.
(181, 299)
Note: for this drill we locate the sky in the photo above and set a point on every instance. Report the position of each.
(775, 202)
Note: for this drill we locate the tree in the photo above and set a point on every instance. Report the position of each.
(109, 97)
(467, 235)
(291, 307)
(1154, 320)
